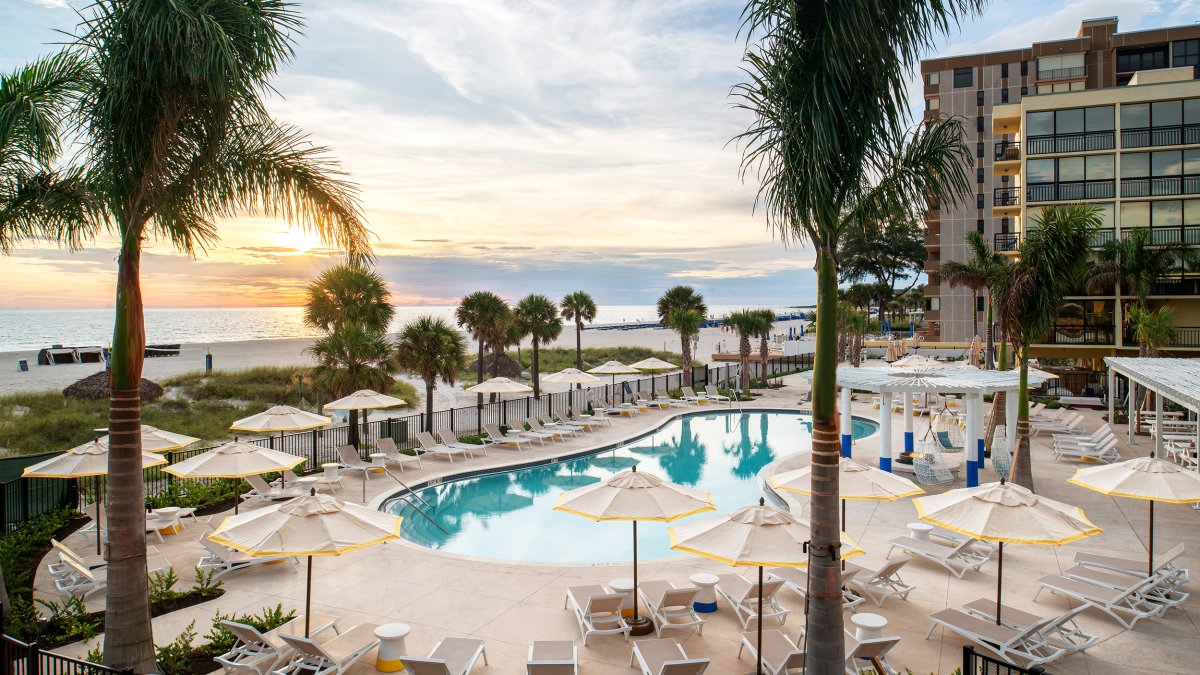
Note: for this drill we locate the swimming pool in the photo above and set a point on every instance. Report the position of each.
(509, 515)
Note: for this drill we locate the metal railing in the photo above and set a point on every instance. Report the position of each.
(1187, 235)
(1159, 186)
(1079, 141)
(1062, 73)
(1102, 236)
(975, 663)
(1186, 337)
(20, 658)
(1150, 137)
(1176, 286)
(1007, 151)
(1071, 191)
(1009, 196)
(1079, 334)
(1006, 241)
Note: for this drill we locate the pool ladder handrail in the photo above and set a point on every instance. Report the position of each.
(416, 508)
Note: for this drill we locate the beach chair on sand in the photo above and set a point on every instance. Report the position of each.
(333, 657)
(1061, 632)
(222, 560)
(392, 454)
(552, 657)
(451, 656)
(451, 441)
(432, 447)
(665, 657)
(597, 611)
(670, 607)
(957, 559)
(881, 584)
(742, 595)
(1025, 645)
(494, 436)
(779, 654)
(1127, 605)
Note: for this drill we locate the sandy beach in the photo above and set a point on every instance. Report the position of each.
(291, 351)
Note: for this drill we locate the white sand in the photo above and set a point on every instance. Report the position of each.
(291, 351)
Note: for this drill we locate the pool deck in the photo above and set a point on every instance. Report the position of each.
(509, 605)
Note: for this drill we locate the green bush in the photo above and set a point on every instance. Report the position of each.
(21, 552)
(174, 657)
(196, 494)
(69, 620)
(220, 640)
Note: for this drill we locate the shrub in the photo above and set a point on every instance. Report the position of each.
(196, 494)
(21, 551)
(173, 658)
(220, 640)
(70, 620)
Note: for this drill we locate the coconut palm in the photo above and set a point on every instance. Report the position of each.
(537, 317)
(347, 293)
(746, 323)
(176, 136)
(349, 358)
(983, 271)
(677, 298)
(687, 323)
(430, 348)
(1049, 267)
(482, 314)
(826, 90)
(767, 320)
(578, 307)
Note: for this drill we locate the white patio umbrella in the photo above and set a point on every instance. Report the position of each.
(1149, 478)
(281, 418)
(157, 440)
(654, 365)
(1005, 513)
(634, 496)
(309, 526)
(613, 368)
(235, 459)
(571, 376)
(499, 385)
(364, 399)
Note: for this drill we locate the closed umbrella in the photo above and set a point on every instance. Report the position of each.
(1005, 513)
(281, 418)
(634, 496)
(653, 365)
(235, 460)
(1149, 478)
(613, 368)
(311, 525)
(363, 399)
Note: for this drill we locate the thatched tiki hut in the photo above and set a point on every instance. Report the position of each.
(95, 388)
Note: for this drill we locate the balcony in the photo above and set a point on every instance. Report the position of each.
(1006, 118)
(933, 240)
(1160, 186)
(1006, 242)
(1007, 160)
(1186, 337)
(1062, 73)
(1183, 235)
(1071, 191)
(1102, 236)
(1083, 141)
(1147, 137)
(1080, 334)
(1176, 286)
(1006, 201)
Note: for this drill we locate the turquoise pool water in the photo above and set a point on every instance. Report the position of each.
(509, 515)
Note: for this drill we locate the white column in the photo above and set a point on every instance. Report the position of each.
(1132, 408)
(969, 446)
(1112, 396)
(885, 432)
(847, 422)
(1158, 425)
(909, 445)
(1011, 403)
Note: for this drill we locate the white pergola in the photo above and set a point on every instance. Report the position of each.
(970, 383)
(1176, 379)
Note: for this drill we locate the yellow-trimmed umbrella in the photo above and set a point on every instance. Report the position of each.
(1149, 478)
(499, 385)
(634, 496)
(654, 365)
(281, 418)
(363, 399)
(571, 376)
(613, 368)
(157, 440)
(311, 525)
(236, 459)
(752, 536)
(1005, 513)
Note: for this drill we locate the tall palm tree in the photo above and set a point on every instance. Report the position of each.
(687, 323)
(578, 307)
(1049, 267)
(350, 292)
(746, 323)
(677, 298)
(538, 318)
(826, 121)
(1153, 328)
(482, 314)
(350, 358)
(766, 319)
(985, 270)
(430, 348)
(176, 136)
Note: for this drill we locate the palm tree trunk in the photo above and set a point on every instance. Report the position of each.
(537, 390)
(826, 640)
(763, 352)
(429, 385)
(479, 380)
(579, 345)
(744, 352)
(1021, 472)
(974, 313)
(990, 359)
(128, 641)
(687, 360)
(352, 431)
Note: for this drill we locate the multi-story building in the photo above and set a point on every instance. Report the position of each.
(1045, 76)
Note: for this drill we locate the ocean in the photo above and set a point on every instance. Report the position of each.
(25, 329)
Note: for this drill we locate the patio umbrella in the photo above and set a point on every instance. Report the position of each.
(89, 459)
(1005, 513)
(634, 496)
(281, 418)
(363, 399)
(1149, 478)
(499, 385)
(752, 536)
(235, 460)
(157, 440)
(571, 376)
(613, 368)
(612, 462)
(311, 525)
(654, 365)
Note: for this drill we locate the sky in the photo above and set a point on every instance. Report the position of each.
(520, 146)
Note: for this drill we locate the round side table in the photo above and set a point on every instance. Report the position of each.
(624, 586)
(920, 530)
(391, 646)
(378, 460)
(868, 626)
(706, 599)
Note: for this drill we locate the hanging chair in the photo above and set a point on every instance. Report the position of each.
(929, 466)
(1001, 457)
(946, 430)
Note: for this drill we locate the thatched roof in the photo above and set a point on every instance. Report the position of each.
(95, 387)
(508, 366)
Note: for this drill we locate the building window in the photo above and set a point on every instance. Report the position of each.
(1004, 179)
(1071, 130)
(964, 77)
(933, 79)
(979, 149)
(1024, 68)
(1060, 67)
(979, 303)
(979, 201)
(1186, 53)
(1004, 225)
(932, 104)
(1024, 91)
(979, 97)
(979, 124)
(978, 175)
(1144, 58)
(1003, 70)
(979, 226)
(933, 304)
(1004, 95)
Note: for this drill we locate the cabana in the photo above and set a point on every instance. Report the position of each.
(1175, 379)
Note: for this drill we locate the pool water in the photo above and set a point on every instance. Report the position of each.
(509, 515)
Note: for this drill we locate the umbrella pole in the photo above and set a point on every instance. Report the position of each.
(638, 625)
(100, 505)
(1150, 547)
(758, 651)
(843, 529)
(999, 580)
(308, 598)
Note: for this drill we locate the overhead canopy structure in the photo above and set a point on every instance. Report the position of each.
(1174, 379)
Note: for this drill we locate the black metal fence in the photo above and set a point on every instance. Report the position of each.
(975, 663)
(28, 659)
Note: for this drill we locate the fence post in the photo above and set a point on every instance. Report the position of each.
(313, 464)
(33, 662)
(4, 510)
(170, 460)
(968, 662)
(452, 419)
(24, 488)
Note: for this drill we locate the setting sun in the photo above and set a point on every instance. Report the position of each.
(298, 240)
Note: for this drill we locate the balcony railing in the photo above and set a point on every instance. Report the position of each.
(1186, 336)
(1185, 235)
(1079, 334)
(1160, 186)
(1083, 141)
(1071, 191)
(1150, 137)
(1007, 151)
(1009, 196)
(1062, 73)
(1102, 236)
(1006, 241)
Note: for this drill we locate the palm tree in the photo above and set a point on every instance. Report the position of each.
(826, 121)
(1153, 328)
(578, 307)
(430, 348)
(677, 298)
(348, 293)
(177, 136)
(686, 322)
(538, 318)
(767, 322)
(985, 270)
(482, 314)
(746, 322)
(349, 358)
(1049, 267)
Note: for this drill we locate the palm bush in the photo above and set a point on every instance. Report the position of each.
(432, 349)
(686, 322)
(537, 316)
(482, 314)
(580, 308)
(349, 293)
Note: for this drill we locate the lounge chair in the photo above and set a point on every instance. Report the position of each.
(553, 657)
(155, 524)
(1157, 589)
(779, 654)
(797, 580)
(670, 607)
(83, 582)
(559, 426)
(1164, 565)
(597, 611)
(623, 408)
(690, 396)
(1127, 605)
(261, 492)
(259, 653)
(665, 657)
(451, 441)
(657, 400)
(451, 656)
(352, 461)
(537, 430)
(578, 416)
(1025, 644)
(983, 548)
(874, 651)
(91, 562)
(1101, 433)
(1070, 424)
(881, 584)
(562, 417)
(958, 559)
(392, 454)
(742, 595)
(711, 390)
(332, 657)
(432, 447)
(222, 560)
(494, 436)
(1103, 451)
(1061, 632)
(97, 517)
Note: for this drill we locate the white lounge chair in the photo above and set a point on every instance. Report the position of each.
(665, 657)
(958, 559)
(1102, 451)
(872, 651)
(391, 453)
(1070, 424)
(1025, 645)
(432, 447)
(1101, 433)
(332, 657)
(451, 656)
(1157, 589)
(597, 611)
(562, 417)
(97, 517)
(59, 568)
(260, 491)
(880, 584)
(742, 595)
(552, 657)
(797, 580)
(1165, 564)
(222, 560)
(536, 429)
(83, 582)
(655, 400)
(1127, 605)
(259, 653)
(1061, 632)
(983, 548)
(497, 437)
(670, 607)
(779, 654)
(691, 396)
(451, 441)
(711, 390)
(560, 426)
(578, 416)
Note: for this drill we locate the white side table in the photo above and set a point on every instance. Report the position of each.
(868, 626)
(391, 646)
(378, 462)
(706, 599)
(624, 586)
(920, 530)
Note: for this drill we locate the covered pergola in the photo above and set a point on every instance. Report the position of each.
(1174, 379)
(971, 384)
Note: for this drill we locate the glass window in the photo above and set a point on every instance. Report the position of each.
(1135, 164)
(1100, 167)
(932, 104)
(979, 201)
(1024, 68)
(1166, 163)
(1185, 53)
(1191, 162)
(1068, 121)
(1039, 124)
(1191, 212)
(1040, 170)
(1099, 118)
(979, 149)
(1070, 169)
(1106, 214)
(1135, 115)
(1166, 113)
(1191, 110)
(1166, 213)
(978, 175)
(1004, 95)
(979, 123)
(979, 97)
(1024, 91)
(979, 226)
(933, 304)
(1135, 214)
(933, 78)
(964, 77)
(1003, 70)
